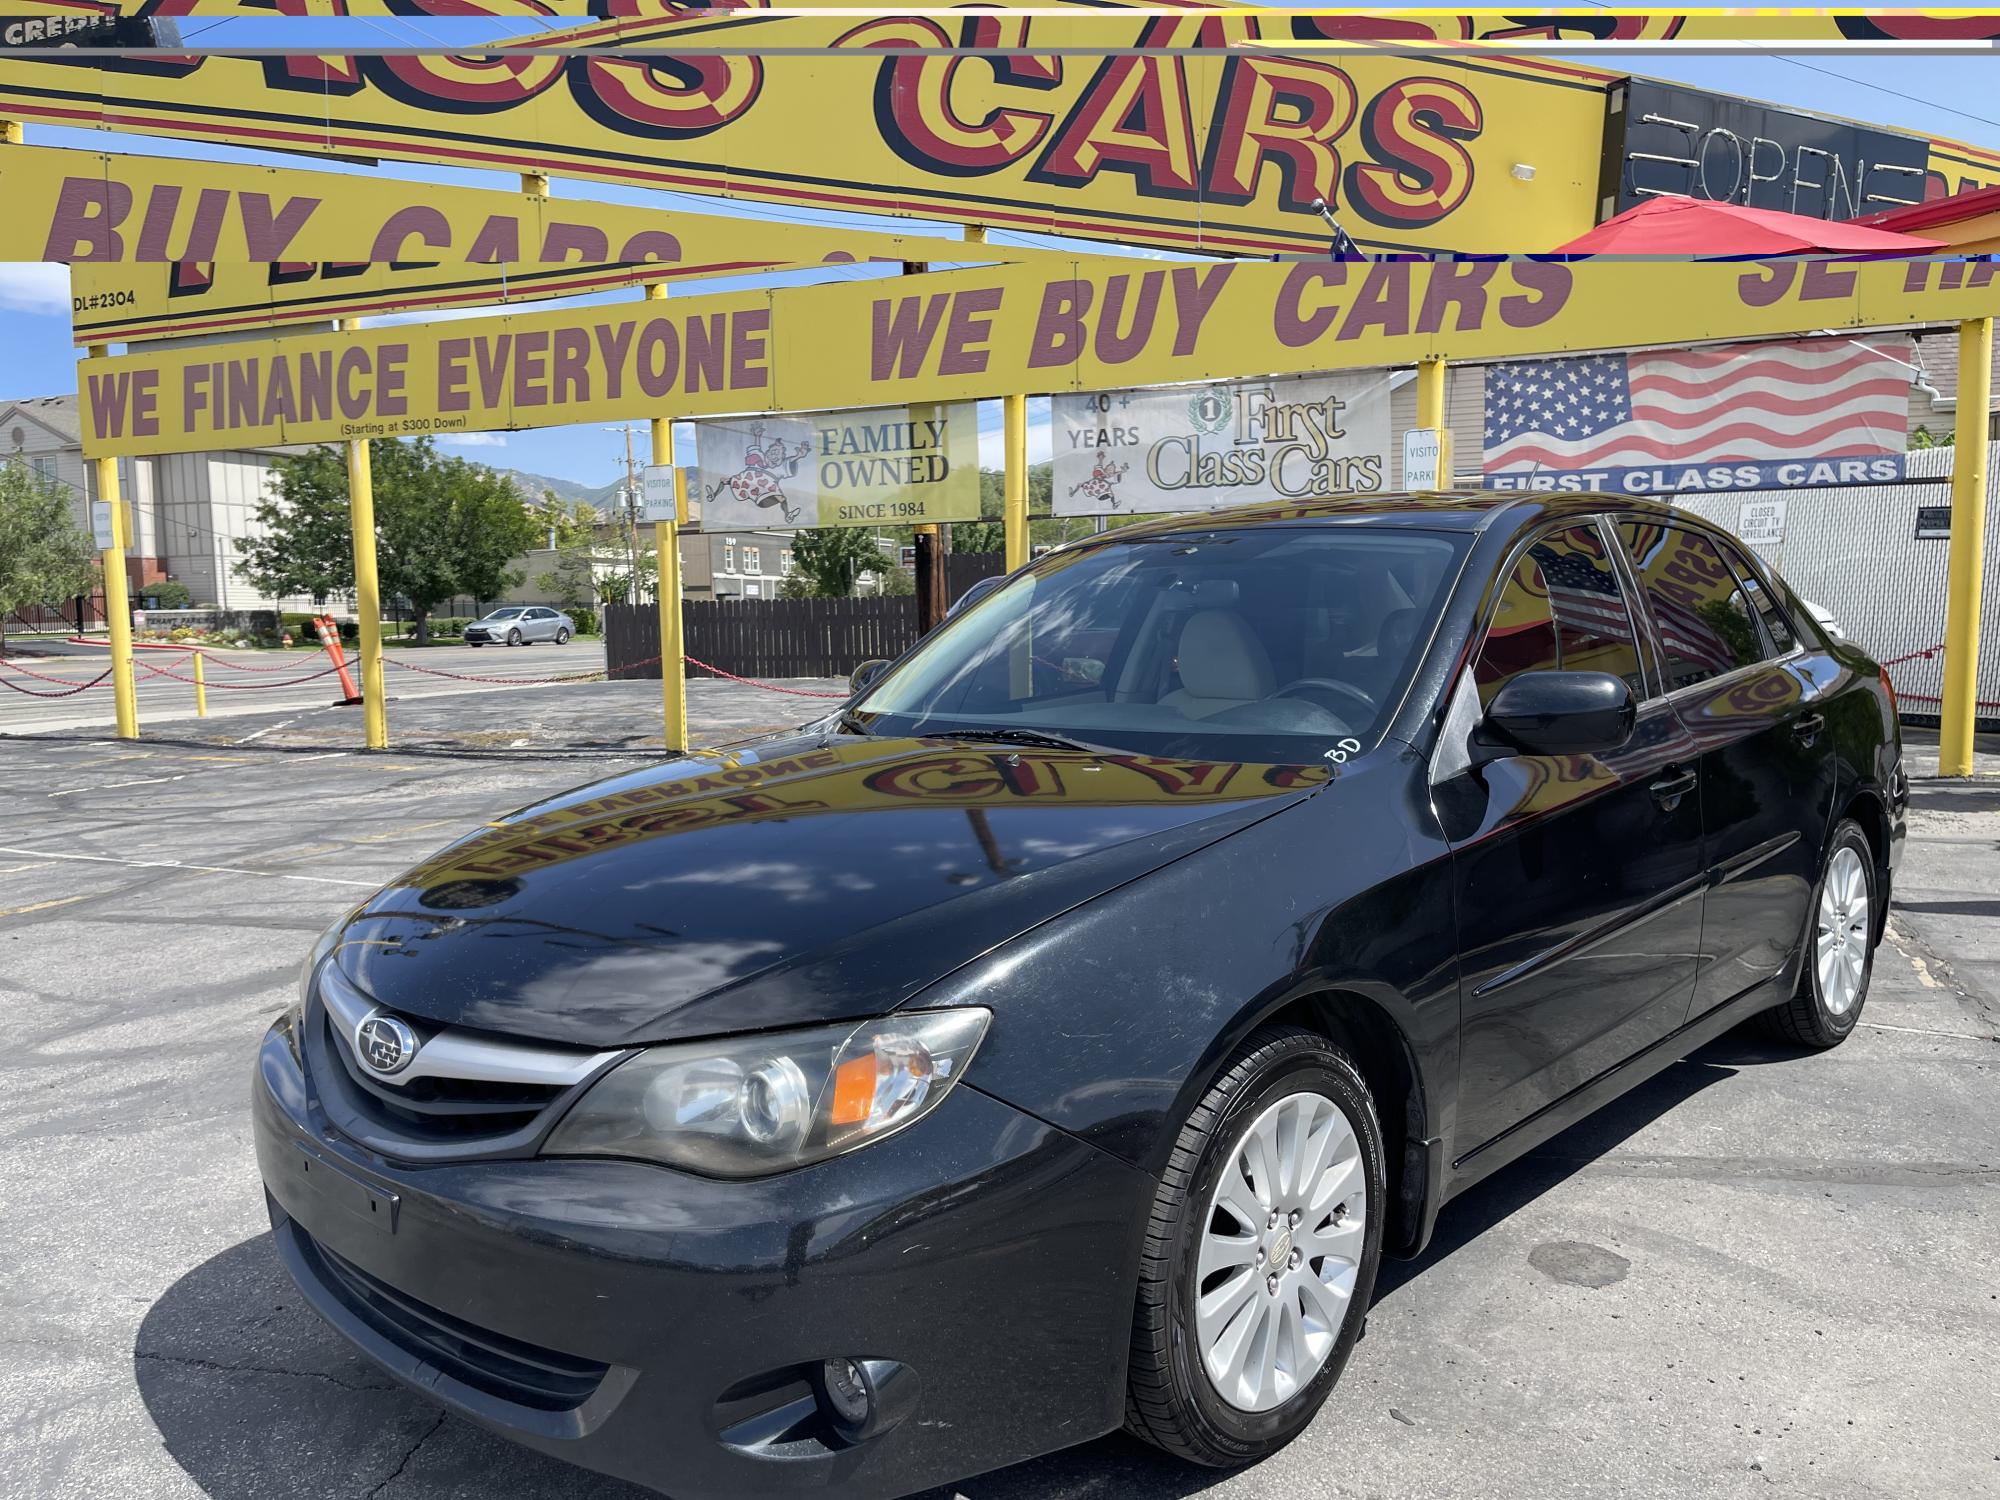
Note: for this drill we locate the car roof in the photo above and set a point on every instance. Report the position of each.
(1433, 510)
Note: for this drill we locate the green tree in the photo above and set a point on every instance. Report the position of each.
(826, 560)
(442, 527)
(44, 557)
(1923, 437)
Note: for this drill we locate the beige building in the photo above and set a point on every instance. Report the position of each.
(186, 509)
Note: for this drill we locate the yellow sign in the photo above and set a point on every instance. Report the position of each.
(958, 335)
(886, 466)
(1211, 150)
(161, 248)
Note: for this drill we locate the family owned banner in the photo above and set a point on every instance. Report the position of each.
(886, 466)
(1207, 446)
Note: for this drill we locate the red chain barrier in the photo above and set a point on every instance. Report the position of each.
(70, 693)
(246, 687)
(768, 687)
(410, 666)
(1927, 654)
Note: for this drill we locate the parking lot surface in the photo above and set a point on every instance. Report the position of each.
(1761, 1274)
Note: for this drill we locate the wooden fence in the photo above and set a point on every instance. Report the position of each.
(780, 637)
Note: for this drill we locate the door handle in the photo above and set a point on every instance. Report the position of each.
(1806, 729)
(1669, 790)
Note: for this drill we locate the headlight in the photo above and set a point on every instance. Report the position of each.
(747, 1106)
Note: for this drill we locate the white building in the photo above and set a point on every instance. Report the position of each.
(187, 509)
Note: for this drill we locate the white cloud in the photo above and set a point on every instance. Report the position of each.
(475, 439)
(34, 287)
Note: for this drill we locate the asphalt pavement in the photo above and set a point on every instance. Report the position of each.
(1763, 1273)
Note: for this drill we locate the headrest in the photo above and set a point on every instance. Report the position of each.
(1221, 658)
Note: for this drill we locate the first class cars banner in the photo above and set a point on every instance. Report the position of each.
(959, 335)
(887, 466)
(1202, 447)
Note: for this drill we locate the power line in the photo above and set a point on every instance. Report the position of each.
(1964, 114)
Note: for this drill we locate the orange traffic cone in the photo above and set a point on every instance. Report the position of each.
(329, 637)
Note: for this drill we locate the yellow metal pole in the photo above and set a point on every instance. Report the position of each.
(117, 600)
(367, 589)
(1014, 488)
(667, 555)
(200, 688)
(1968, 549)
(1430, 412)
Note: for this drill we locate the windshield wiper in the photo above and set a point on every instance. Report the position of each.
(1008, 736)
(849, 722)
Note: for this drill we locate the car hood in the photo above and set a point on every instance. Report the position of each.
(805, 879)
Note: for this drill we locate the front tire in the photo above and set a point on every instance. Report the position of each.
(514, 637)
(1839, 956)
(1260, 1255)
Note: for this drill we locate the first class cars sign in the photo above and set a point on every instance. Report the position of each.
(1207, 446)
(900, 465)
(949, 336)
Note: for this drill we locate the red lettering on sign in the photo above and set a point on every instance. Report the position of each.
(420, 222)
(967, 330)
(902, 332)
(85, 224)
(1285, 111)
(1292, 324)
(914, 106)
(1195, 291)
(1059, 330)
(1421, 172)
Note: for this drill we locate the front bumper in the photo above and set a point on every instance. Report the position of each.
(603, 1310)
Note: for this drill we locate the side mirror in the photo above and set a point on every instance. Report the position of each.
(1561, 713)
(859, 679)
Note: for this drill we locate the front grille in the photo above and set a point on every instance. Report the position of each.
(506, 1368)
(443, 1107)
(465, 1094)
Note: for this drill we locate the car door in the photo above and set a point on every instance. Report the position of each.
(1578, 878)
(541, 624)
(1750, 697)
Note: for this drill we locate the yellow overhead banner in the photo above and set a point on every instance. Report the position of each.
(164, 248)
(624, 22)
(958, 335)
(1220, 150)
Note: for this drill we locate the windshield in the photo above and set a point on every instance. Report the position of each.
(1257, 644)
(506, 614)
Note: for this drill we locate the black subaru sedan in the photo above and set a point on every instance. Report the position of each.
(1055, 1038)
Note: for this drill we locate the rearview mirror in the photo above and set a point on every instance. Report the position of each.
(1561, 713)
(859, 679)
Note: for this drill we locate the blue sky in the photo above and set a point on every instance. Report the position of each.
(1943, 96)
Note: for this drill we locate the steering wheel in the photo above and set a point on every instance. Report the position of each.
(1307, 687)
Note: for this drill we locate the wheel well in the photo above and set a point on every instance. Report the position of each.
(1366, 1032)
(1868, 810)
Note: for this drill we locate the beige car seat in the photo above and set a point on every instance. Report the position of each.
(1222, 665)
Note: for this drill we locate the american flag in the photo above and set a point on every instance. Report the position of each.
(1583, 592)
(1818, 398)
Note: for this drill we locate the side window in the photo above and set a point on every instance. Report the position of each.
(1776, 627)
(1561, 607)
(1707, 626)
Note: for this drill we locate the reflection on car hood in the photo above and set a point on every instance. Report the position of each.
(801, 880)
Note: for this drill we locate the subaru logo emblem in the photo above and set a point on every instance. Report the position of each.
(385, 1043)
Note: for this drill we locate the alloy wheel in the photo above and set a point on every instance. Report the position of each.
(1841, 942)
(1280, 1251)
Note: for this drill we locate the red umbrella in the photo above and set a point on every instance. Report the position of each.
(1695, 226)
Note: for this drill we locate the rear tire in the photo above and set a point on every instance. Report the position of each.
(562, 635)
(1839, 956)
(1225, 1372)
